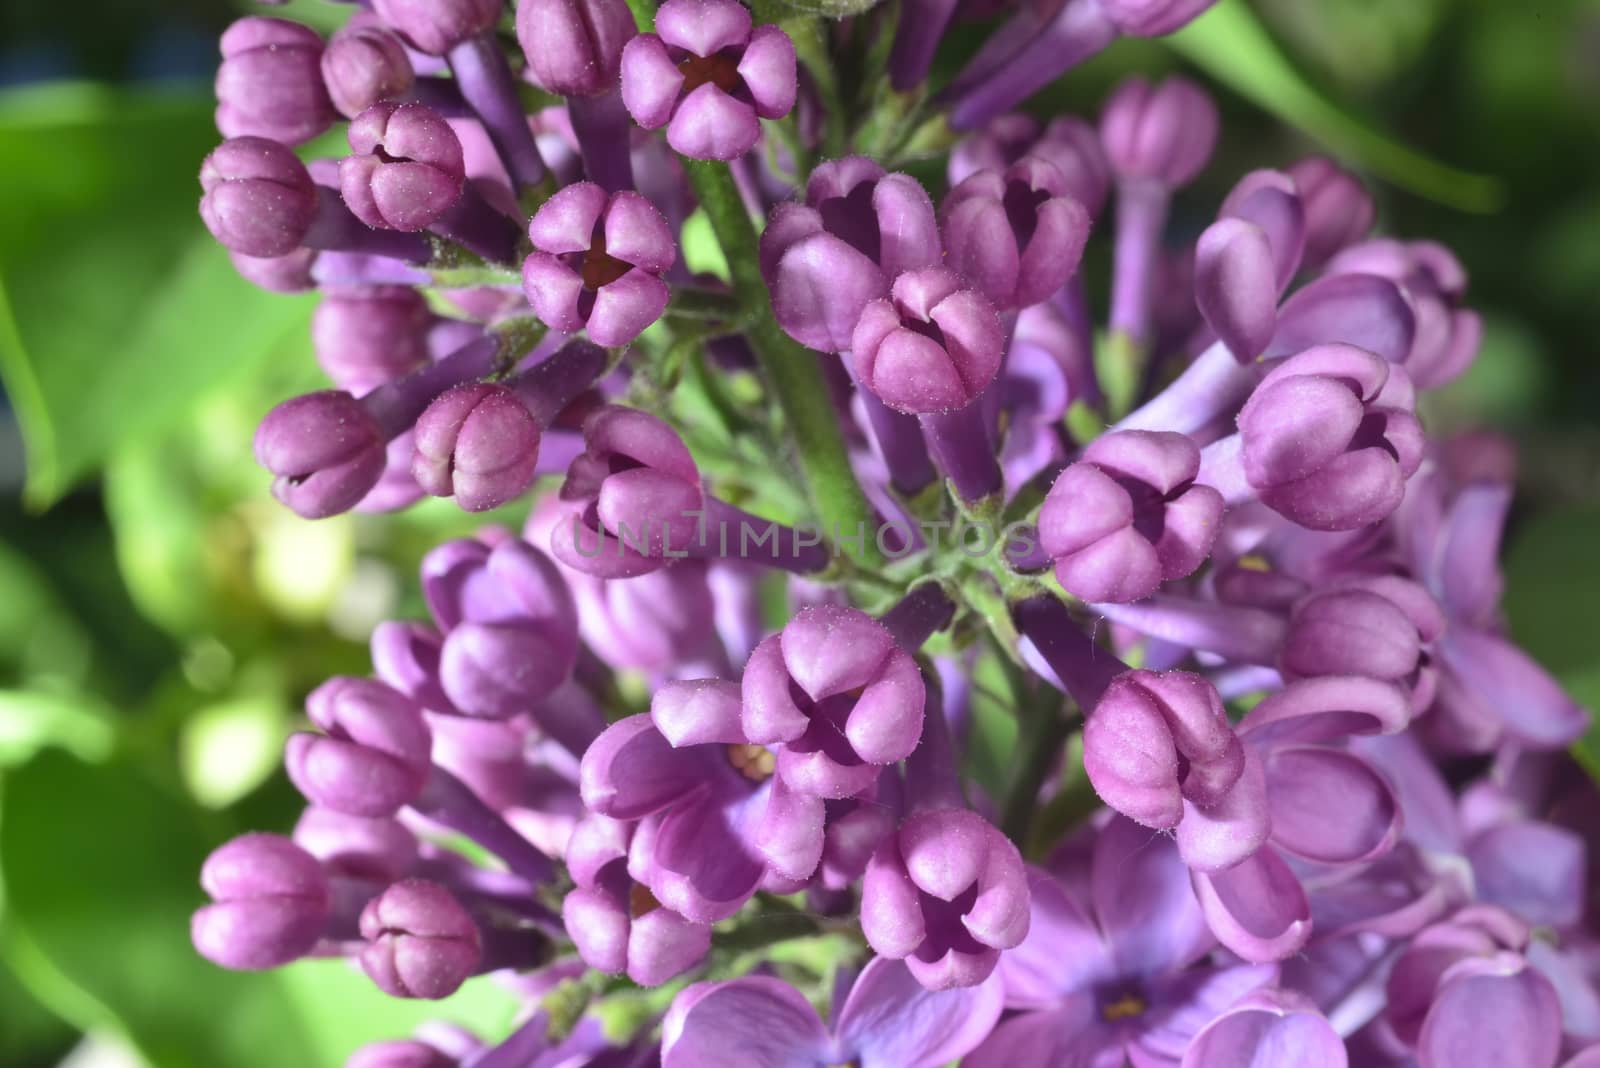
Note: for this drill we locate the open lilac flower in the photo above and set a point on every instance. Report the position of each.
(887, 1020)
(708, 76)
(1017, 234)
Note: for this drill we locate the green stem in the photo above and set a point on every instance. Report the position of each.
(790, 369)
(1043, 735)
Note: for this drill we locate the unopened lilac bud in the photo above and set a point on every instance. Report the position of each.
(1128, 516)
(1433, 280)
(374, 755)
(477, 443)
(1162, 133)
(436, 26)
(574, 47)
(1152, 18)
(290, 273)
(597, 263)
(270, 903)
(1338, 209)
(401, 1053)
(407, 169)
(1328, 438)
(269, 83)
(1071, 145)
(1270, 201)
(324, 448)
(946, 893)
(931, 346)
(366, 336)
(1235, 286)
(420, 942)
(842, 697)
(258, 198)
(382, 850)
(1377, 627)
(1017, 236)
(1158, 739)
(708, 77)
(363, 65)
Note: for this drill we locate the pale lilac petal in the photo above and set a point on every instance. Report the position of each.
(1271, 1029)
(1257, 908)
(890, 1021)
(755, 1022)
(1145, 902)
(710, 124)
(1329, 806)
(650, 81)
(768, 70)
(1490, 1014)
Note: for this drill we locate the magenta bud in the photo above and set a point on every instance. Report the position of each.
(269, 84)
(1164, 133)
(437, 26)
(270, 903)
(325, 451)
(1235, 286)
(258, 199)
(1157, 739)
(1329, 439)
(289, 273)
(365, 65)
(708, 75)
(931, 346)
(420, 942)
(1016, 236)
(407, 170)
(381, 850)
(597, 263)
(374, 756)
(1377, 627)
(574, 47)
(1129, 516)
(365, 336)
(1071, 145)
(1338, 209)
(478, 443)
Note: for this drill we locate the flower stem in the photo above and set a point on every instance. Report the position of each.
(790, 369)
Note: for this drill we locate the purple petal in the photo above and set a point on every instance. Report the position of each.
(754, 1022)
(698, 712)
(1235, 286)
(625, 307)
(1145, 902)
(1549, 891)
(703, 860)
(1216, 837)
(631, 770)
(1502, 678)
(1468, 579)
(768, 70)
(1257, 908)
(567, 221)
(1489, 1014)
(1063, 953)
(650, 81)
(1271, 1029)
(704, 27)
(710, 124)
(890, 1021)
(1357, 309)
(1329, 805)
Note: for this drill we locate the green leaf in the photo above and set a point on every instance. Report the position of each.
(1231, 45)
(32, 720)
(117, 310)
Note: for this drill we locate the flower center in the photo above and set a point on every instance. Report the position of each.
(599, 268)
(754, 762)
(1124, 1008)
(721, 71)
(641, 901)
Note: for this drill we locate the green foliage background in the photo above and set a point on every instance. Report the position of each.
(160, 618)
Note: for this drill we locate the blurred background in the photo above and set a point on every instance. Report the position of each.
(161, 618)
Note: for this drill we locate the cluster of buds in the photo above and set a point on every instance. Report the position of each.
(1239, 588)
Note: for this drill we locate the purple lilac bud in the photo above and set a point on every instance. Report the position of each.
(824, 260)
(574, 47)
(1378, 627)
(1157, 740)
(597, 263)
(1235, 286)
(843, 699)
(258, 198)
(269, 84)
(1017, 236)
(946, 894)
(478, 443)
(420, 942)
(931, 346)
(1338, 209)
(366, 336)
(1129, 516)
(363, 65)
(380, 850)
(707, 76)
(1071, 145)
(1270, 201)
(372, 758)
(270, 903)
(1160, 133)
(326, 450)
(437, 26)
(407, 170)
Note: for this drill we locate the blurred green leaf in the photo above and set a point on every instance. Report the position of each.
(992, 732)
(31, 720)
(229, 748)
(1231, 45)
(98, 928)
(117, 309)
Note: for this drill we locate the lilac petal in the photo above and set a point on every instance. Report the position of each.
(944, 852)
(830, 649)
(1144, 900)
(908, 228)
(819, 290)
(1068, 1035)
(1492, 1013)
(567, 221)
(1216, 837)
(891, 909)
(1257, 908)
(650, 81)
(1356, 309)
(710, 124)
(598, 925)
(790, 835)
(1296, 426)
(698, 712)
(755, 1022)
(953, 968)
(768, 70)
(770, 714)
(704, 27)
(631, 771)
(553, 289)
(1326, 708)
(1492, 671)
(788, 223)
(1189, 529)
(982, 247)
(1083, 506)
(1120, 568)
(999, 915)
(1052, 256)
(1270, 200)
(1329, 806)
(1130, 758)
(1549, 892)
(1235, 286)
(1064, 951)
(625, 307)
(637, 233)
(1187, 1001)
(886, 722)
(704, 866)
(1468, 579)
(1270, 1029)
(890, 1021)
(664, 945)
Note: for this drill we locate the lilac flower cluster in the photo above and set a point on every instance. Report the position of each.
(1284, 792)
